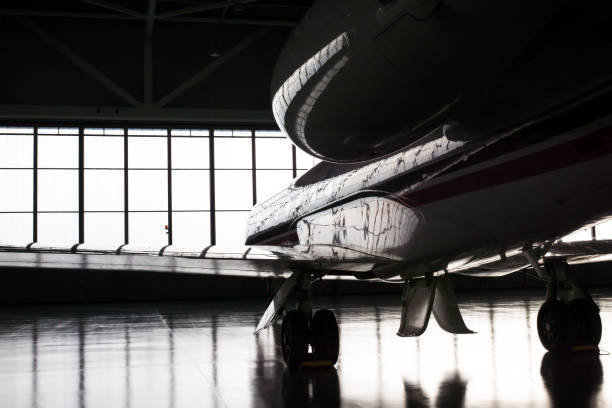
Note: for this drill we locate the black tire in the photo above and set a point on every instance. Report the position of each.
(553, 327)
(325, 336)
(294, 338)
(585, 323)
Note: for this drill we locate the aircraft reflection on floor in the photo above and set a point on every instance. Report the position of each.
(184, 354)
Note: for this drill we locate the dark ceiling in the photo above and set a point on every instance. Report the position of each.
(171, 61)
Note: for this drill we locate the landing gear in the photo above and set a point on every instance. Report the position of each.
(553, 325)
(294, 338)
(325, 338)
(301, 329)
(322, 335)
(569, 319)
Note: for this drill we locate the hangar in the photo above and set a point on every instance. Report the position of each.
(142, 160)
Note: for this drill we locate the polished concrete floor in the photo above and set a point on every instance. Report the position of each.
(203, 354)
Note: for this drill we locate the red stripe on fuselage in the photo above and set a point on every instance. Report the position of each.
(583, 149)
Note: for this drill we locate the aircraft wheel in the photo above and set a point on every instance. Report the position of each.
(585, 323)
(294, 338)
(553, 326)
(325, 336)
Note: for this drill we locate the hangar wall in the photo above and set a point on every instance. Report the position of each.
(35, 286)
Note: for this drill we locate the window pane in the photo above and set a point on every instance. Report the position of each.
(58, 151)
(190, 190)
(148, 190)
(191, 229)
(271, 182)
(233, 189)
(604, 230)
(15, 229)
(16, 130)
(147, 152)
(58, 228)
(231, 227)
(104, 228)
(16, 190)
(16, 151)
(103, 190)
(233, 153)
(190, 153)
(101, 151)
(58, 190)
(305, 161)
(148, 229)
(190, 132)
(580, 235)
(147, 132)
(269, 133)
(273, 154)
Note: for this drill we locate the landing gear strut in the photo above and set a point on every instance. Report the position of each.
(301, 329)
(569, 319)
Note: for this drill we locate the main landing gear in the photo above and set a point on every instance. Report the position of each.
(569, 319)
(301, 329)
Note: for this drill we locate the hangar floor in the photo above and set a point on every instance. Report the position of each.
(203, 354)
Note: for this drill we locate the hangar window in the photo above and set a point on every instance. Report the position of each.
(151, 187)
(16, 160)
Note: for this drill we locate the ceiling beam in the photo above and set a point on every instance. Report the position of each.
(79, 62)
(115, 7)
(213, 66)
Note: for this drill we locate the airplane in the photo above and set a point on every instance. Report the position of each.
(458, 137)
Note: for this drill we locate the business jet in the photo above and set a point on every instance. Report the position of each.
(457, 137)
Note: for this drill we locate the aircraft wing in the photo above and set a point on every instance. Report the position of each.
(575, 252)
(274, 261)
(252, 261)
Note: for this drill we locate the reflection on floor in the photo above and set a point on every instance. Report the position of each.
(203, 354)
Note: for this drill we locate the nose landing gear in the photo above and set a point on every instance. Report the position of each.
(569, 319)
(301, 329)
